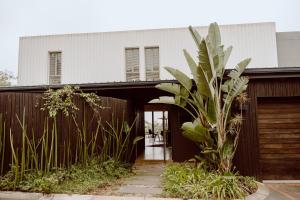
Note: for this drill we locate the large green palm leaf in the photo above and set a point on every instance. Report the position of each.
(209, 103)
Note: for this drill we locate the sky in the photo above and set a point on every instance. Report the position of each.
(44, 17)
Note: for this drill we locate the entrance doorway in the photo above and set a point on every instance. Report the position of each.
(157, 136)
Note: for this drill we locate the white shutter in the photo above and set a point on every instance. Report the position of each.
(152, 63)
(132, 64)
(54, 68)
(52, 64)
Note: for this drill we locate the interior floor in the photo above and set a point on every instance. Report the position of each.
(154, 149)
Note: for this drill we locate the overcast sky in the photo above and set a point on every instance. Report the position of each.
(40, 17)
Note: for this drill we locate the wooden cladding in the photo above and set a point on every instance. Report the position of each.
(13, 104)
(278, 122)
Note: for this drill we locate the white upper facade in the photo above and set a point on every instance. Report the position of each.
(100, 57)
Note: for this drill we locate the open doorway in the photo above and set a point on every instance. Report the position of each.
(157, 136)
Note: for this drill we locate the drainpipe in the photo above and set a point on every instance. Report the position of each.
(164, 135)
(153, 122)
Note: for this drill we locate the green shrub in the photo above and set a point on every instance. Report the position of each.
(187, 181)
(79, 178)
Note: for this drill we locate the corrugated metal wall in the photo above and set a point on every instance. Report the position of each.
(288, 48)
(99, 57)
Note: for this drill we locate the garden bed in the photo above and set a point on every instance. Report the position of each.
(79, 178)
(191, 182)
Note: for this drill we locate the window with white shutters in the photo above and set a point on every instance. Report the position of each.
(132, 63)
(152, 63)
(54, 68)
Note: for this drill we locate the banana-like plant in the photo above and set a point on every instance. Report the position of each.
(208, 98)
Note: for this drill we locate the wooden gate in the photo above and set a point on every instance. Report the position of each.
(278, 121)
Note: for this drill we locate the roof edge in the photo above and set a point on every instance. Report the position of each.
(142, 30)
(252, 73)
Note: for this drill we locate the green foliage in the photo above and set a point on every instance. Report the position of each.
(63, 100)
(214, 128)
(118, 143)
(6, 78)
(78, 178)
(190, 182)
(40, 155)
(83, 164)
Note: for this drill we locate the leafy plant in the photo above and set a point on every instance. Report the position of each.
(117, 143)
(6, 78)
(79, 178)
(187, 181)
(209, 99)
(63, 100)
(85, 148)
(38, 164)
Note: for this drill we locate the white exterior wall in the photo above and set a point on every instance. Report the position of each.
(99, 57)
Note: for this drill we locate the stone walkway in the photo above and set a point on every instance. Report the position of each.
(146, 185)
(283, 191)
(39, 196)
(145, 182)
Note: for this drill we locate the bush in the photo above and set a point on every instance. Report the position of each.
(79, 178)
(187, 181)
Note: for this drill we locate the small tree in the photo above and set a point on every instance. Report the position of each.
(214, 128)
(5, 78)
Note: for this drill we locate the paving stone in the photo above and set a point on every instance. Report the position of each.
(146, 181)
(157, 198)
(19, 195)
(140, 189)
(283, 191)
(66, 197)
(116, 198)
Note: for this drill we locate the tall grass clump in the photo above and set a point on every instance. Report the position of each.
(64, 101)
(118, 143)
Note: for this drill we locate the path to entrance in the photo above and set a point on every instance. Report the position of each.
(284, 191)
(145, 182)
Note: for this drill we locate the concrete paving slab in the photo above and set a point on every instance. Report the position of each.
(144, 180)
(19, 195)
(66, 197)
(138, 189)
(116, 198)
(157, 198)
(283, 191)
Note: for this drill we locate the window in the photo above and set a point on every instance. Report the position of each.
(132, 63)
(54, 68)
(152, 63)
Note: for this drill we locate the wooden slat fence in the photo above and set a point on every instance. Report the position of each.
(13, 104)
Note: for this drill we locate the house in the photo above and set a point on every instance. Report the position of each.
(135, 55)
(269, 144)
